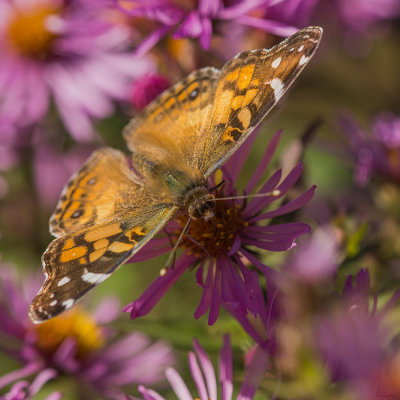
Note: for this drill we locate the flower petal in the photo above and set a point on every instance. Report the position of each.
(152, 295)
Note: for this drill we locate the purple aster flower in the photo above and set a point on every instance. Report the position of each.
(52, 168)
(192, 19)
(222, 246)
(205, 380)
(66, 52)
(377, 152)
(361, 15)
(352, 338)
(77, 344)
(315, 258)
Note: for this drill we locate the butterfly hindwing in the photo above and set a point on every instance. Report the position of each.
(167, 130)
(90, 195)
(74, 264)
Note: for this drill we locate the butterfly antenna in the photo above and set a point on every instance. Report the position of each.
(216, 187)
(171, 258)
(274, 193)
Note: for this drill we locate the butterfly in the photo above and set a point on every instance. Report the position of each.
(113, 206)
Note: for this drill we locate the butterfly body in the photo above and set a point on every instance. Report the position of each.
(114, 205)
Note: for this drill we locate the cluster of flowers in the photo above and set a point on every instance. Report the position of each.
(66, 63)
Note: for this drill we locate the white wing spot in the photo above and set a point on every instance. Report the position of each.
(277, 85)
(301, 48)
(303, 60)
(63, 281)
(53, 303)
(68, 303)
(276, 62)
(52, 295)
(91, 277)
(292, 49)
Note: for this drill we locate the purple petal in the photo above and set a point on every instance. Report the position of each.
(262, 166)
(210, 8)
(43, 377)
(215, 298)
(258, 204)
(152, 295)
(191, 27)
(226, 369)
(293, 205)
(149, 394)
(236, 245)
(197, 377)
(254, 373)
(206, 34)
(269, 273)
(233, 288)
(274, 27)
(151, 40)
(208, 370)
(235, 163)
(27, 370)
(178, 385)
(207, 292)
(241, 8)
(65, 355)
(107, 311)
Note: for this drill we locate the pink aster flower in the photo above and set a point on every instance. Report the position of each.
(192, 19)
(66, 52)
(52, 168)
(223, 247)
(204, 378)
(375, 153)
(353, 339)
(77, 344)
(362, 15)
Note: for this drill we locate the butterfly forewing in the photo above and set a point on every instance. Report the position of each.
(248, 87)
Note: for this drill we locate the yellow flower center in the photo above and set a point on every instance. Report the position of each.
(76, 324)
(27, 32)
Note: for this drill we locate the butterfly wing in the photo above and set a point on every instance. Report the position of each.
(248, 87)
(113, 228)
(201, 121)
(169, 127)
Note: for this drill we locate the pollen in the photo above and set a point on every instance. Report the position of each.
(216, 235)
(76, 324)
(27, 33)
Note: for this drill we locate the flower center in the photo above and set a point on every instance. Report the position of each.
(27, 32)
(216, 235)
(76, 324)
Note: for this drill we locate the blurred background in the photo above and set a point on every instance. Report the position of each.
(72, 75)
